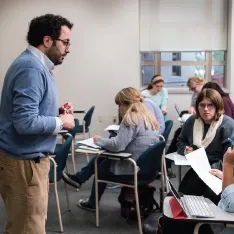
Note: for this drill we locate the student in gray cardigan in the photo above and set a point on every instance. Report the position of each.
(138, 130)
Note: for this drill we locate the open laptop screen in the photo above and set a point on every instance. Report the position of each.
(177, 109)
(173, 190)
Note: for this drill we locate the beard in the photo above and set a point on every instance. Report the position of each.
(55, 55)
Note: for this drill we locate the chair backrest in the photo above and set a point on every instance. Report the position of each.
(150, 161)
(61, 154)
(168, 127)
(88, 116)
(74, 130)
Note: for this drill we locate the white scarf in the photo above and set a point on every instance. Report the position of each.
(198, 131)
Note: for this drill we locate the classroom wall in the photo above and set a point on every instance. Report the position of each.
(104, 55)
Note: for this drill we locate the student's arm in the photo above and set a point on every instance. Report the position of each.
(164, 99)
(228, 164)
(227, 198)
(120, 142)
(28, 91)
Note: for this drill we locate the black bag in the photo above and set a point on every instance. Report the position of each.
(147, 202)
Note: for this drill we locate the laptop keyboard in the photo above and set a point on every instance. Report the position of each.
(197, 206)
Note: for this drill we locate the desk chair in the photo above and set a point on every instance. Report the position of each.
(145, 171)
(166, 133)
(72, 151)
(85, 127)
(164, 190)
(167, 130)
(58, 161)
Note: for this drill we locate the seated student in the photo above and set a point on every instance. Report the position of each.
(138, 130)
(209, 128)
(228, 104)
(152, 106)
(226, 203)
(195, 85)
(157, 93)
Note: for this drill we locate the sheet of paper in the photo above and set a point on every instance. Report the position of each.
(200, 164)
(112, 128)
(198, 159)
(170, 156)
(180, 160)
(88, 142)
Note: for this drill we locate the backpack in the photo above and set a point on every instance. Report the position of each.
(147, 203)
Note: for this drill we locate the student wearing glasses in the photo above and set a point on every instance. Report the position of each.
(195, 85)
(157, 93)
(228, 104)
(209, 128)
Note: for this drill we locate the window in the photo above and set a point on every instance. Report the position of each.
(176, 70)
(177, 67)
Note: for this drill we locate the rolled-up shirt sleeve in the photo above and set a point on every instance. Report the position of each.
(227, 199)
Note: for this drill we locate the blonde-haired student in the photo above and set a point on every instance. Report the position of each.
(138, 130)
(195, 85)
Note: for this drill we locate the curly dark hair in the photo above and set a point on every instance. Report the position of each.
(46, 25)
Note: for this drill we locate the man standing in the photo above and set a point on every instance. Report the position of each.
(29, 124)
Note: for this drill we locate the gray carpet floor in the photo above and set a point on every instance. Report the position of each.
(82, 221)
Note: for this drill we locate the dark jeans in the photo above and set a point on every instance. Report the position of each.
(103, 173)
(193, 185)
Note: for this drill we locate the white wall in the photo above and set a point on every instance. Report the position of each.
(104, 55)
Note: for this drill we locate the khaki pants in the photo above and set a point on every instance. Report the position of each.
(24, 189)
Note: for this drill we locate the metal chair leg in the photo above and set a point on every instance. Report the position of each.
(137, 200)
(96, 193)
(58, 207)
(73, 155)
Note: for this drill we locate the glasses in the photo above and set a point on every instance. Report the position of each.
(208, 106)
(66, 43)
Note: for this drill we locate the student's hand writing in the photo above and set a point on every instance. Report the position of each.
(188, 149)
(217, 173)
(95, 139)
(228, 157)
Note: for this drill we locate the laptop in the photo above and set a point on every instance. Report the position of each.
(193, 206)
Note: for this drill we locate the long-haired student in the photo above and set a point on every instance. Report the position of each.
(209, 128)
(138, 130)
(157, 92)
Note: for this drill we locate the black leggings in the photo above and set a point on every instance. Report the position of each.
(193, 185)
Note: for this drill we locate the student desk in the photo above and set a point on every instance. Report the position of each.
(179, 164)
(221, 216)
